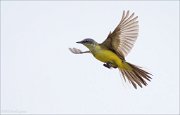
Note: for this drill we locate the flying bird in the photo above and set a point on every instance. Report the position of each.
(115, 48)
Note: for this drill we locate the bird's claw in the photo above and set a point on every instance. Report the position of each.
(109, 65)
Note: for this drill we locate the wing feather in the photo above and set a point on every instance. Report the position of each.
(122, 39)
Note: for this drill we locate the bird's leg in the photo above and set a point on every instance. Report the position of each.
(78, 51)
(109, 65)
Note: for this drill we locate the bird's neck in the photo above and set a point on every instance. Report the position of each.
(94, 47)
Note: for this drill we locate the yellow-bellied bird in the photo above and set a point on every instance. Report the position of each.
(114, 49)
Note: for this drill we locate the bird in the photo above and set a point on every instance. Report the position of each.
(113, 50)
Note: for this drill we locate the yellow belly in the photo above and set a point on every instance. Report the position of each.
(107, 56)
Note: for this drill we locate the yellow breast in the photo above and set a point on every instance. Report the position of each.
(105, 55)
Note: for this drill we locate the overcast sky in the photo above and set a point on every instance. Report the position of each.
(40, 75)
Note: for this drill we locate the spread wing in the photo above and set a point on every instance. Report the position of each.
(122, 39)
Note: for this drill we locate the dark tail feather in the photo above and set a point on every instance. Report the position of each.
(136, 76)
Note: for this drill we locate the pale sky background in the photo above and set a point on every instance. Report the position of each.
(40, 75)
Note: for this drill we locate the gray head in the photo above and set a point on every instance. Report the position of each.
(87, 41)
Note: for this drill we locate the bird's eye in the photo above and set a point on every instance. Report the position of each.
(86, 41)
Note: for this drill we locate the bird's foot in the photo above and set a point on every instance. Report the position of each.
(109, 65)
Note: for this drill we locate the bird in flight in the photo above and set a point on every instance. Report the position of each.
(115, 48)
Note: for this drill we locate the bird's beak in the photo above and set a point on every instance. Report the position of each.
(80, 42)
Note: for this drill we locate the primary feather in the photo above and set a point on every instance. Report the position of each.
(122, 39)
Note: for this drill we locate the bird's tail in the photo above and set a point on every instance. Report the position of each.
(134, 74)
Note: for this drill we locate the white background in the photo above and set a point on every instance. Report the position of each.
(40, 75)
